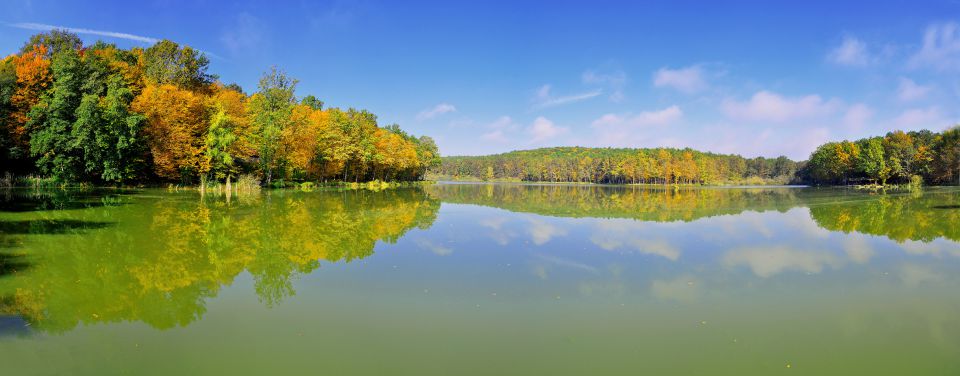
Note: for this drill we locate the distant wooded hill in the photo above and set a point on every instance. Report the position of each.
(620, 166)
(896, 157)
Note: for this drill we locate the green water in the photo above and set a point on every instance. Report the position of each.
(460, 279)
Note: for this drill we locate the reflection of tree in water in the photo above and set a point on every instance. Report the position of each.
(924, 217)
(160, 259)
(900, 217)
(643, 203)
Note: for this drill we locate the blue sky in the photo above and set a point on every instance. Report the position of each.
(751, 77)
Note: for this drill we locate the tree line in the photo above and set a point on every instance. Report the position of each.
(105, 115)
(620, 166)
(933, 158)
(898, 157)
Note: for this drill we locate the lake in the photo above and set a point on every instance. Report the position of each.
(475, 279)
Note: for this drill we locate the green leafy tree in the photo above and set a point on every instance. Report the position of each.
(56, 41)
(271, 108)
(219, 142)
(118, 148)
(871, 161)
(52, 119)
(312, 102)
(167, 63)
(8, 84)
(947, 149)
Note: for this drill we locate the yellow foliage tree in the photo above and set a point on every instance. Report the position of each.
(176, 125)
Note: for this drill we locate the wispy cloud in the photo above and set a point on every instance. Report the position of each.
(686, 80)
(643, 119)
(615, 80)
(245, 34)
(437, 110)
(545, 98)
(773, 107)
(543, 129)
(851, 52)
(919, 118)
(857, 116)
(910, 90)
(941, 48)
(499, 129)
(103, 33)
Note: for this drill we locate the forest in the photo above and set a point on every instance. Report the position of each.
(621, 166)
(899, 157)
(920, 157)
(103, 115)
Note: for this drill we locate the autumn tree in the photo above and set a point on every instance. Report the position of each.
(175, 130)
(227, 142)
(34, 78)
(947, 149)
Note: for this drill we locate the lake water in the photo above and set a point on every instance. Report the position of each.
(462, 279)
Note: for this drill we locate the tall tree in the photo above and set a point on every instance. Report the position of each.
(34, 78)
(54, 42)
(312, 102)
(175, 130)
(167, 63)
(271, 110)
(8, 84)
(52, 120)
(871, 161)
(947, 149)
(109, 136)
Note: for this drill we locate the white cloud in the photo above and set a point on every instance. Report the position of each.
(246, 33)
(647, 118)
(544, 98)
(615, 80)
(542, 232)
(850, 52)
(769, 261)
(437, 249)
(437, 110)
(543, 129)
(502, 123)
(918, 118)
(627, 129)
(686, 80)
(660, 248)
(941, 48)
(111, 34)
(773, 107)
(567, 263)
(911, 91)
(857, 248)
(499, 128)
(495, 136)
(857, 116)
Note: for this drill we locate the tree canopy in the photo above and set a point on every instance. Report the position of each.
(105, 115)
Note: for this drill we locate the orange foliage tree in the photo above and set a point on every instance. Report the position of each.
(176, 125)
(33, 79)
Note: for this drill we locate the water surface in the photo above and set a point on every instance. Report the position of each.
(481, 279)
